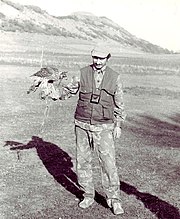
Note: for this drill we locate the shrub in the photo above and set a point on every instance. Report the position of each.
(2, 15)
(14, 5)
(36, 9)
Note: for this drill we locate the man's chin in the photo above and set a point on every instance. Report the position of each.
(98, 67)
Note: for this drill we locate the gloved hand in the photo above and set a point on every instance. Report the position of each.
(117, 132)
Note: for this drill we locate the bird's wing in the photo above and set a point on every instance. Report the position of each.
(43, 73)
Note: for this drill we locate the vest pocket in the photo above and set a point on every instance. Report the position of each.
(82, 109)
(107, 113)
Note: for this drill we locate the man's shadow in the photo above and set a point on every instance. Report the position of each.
(162, 209)
(58, 163)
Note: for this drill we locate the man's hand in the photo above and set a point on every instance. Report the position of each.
(117, 132)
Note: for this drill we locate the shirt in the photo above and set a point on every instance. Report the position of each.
(98, 76)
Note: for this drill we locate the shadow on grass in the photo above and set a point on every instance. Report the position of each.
(58, 163)
(160, 208)
(163, 133)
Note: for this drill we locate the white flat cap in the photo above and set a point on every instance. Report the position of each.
(100, 51)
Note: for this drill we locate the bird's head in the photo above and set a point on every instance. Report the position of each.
(63, 75)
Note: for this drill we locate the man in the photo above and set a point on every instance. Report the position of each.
(98, 121)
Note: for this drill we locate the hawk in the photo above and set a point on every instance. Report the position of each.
(49, 80)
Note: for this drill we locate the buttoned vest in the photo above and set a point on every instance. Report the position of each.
(96, 106)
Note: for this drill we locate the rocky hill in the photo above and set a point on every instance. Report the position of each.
(27, 18)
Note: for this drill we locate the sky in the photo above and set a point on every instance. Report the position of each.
(157, 21)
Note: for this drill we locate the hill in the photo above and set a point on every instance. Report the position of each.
(80, 25)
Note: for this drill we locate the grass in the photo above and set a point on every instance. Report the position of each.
(38, 178)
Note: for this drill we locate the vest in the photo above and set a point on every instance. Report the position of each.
(96, 106)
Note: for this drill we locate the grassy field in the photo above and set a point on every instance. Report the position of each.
(38, 179)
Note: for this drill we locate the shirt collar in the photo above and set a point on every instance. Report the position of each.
(100, 71)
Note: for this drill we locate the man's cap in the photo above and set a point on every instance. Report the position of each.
(101, 52)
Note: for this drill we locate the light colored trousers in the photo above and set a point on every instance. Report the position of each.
(102, 141)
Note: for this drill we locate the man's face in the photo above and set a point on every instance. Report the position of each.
(99, 62)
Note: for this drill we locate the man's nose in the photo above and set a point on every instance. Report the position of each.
(98, 61)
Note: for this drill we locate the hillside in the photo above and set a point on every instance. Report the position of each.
(27, 18)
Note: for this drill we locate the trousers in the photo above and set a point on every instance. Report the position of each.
(103, 143)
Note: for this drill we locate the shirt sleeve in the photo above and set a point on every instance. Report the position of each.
(119, 111)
